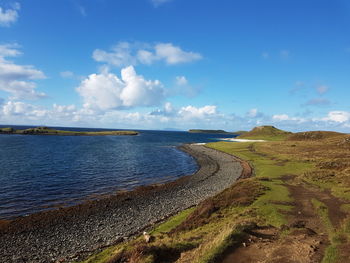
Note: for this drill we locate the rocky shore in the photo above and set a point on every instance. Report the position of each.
(71, 233)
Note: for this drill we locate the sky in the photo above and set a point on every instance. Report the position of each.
(179, 64)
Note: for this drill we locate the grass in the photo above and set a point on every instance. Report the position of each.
(172, 222)
(331, 253)
(264, 167)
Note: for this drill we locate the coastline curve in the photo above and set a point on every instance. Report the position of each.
(71, 233)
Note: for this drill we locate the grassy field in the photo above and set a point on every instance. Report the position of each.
(49, 131)
(299, 188)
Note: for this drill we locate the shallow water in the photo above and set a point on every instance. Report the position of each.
(41, 172)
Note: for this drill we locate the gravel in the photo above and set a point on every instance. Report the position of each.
(68, 234)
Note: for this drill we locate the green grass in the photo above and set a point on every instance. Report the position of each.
(331, 253)
(101, 257)
(172, 222)
(264, 167)
(234, 238)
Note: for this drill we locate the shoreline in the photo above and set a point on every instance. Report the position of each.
(70, 233)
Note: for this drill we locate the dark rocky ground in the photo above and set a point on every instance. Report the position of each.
(70, 233)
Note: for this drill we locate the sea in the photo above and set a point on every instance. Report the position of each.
(39, 173)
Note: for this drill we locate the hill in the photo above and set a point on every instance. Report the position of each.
(269, 133)
(313, 135)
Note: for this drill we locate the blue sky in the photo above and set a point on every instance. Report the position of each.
(154, 64)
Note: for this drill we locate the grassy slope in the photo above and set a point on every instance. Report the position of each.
(49, 131)
(204, 233)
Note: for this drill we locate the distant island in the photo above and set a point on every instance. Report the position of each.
(48, 131)
(216, 131)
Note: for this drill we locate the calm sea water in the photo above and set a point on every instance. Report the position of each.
(41, 172)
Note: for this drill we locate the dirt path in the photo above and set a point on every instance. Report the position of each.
(306, 237)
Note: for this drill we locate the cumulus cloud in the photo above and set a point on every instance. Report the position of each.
(125, 54)
(13, 108)
(338, 116)
(186, 117)
(120, 55)
(191, 112)
(9, 16)
(107, 91)
(187, 112)
(280, 117)
(174, 55)
(18, 79)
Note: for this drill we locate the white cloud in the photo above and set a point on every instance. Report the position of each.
(138, 91)
(106, 91)
(190, 112)
(18, 79)
(13, 108)
(146, 57)
(281, 117)
(252, 113)
(157, 3)
(187, 115)
(64, 108)
(175, 55)
(338, 116)
(9, 16)
(125, 54)
(120, 55)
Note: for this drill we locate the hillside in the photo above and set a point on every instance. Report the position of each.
(269, 133)
(313, 135)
